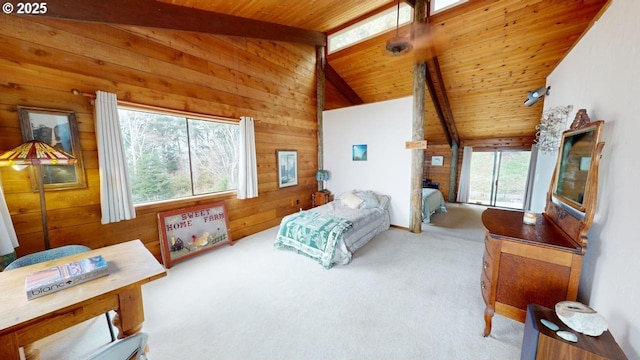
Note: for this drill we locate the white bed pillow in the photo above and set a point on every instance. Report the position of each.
(351, 200)
(384, 201)
(369, 198)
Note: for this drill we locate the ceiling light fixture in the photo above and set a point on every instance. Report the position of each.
(536, 95)
(398, 44)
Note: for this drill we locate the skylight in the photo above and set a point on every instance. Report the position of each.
(370, 27)
(439, 5)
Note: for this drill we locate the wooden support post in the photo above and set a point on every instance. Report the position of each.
(417, 155)
(320, 61)
(453, 174)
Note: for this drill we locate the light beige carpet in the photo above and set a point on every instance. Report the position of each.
(404, 296)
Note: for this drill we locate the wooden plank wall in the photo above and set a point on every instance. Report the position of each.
(441, 174)
(42, 60)
(333, 99)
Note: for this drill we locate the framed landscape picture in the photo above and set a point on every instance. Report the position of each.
(437, 160)
(287, 168)
(58, 128)
(187, 232)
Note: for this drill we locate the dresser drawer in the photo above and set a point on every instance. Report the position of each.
(485, 287)
(487, 275)
(487, 261)
(491, 247)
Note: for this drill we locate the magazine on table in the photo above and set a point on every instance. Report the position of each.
(57, 278)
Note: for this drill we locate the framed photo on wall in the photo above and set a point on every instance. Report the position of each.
(359, 152)
(287, 161)
(187, 232)
(437, 160)
(58, 128)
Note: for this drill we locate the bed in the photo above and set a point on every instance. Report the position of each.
(432, 201)
(331, 233)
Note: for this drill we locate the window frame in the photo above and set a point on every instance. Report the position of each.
(392, 9)
(434, 3)
(125, 105)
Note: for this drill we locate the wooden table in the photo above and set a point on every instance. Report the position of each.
(541, 343)
(23, 322)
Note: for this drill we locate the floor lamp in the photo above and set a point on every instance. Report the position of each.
(37, 153)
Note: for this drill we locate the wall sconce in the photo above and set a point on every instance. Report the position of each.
(322, 176)
(536, 95)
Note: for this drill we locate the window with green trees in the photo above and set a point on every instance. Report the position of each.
(499, 178)
(171, 156)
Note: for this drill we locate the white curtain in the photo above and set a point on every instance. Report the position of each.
(116, 201)
(530, 177)
(465, 175)
(248, 177)
(8, 238)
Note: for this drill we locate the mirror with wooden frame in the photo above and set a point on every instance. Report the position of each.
(572, 194)
(574, 164)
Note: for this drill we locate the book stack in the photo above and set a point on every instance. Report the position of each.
(61, 277)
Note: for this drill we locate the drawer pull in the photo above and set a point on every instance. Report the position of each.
(482, 285)
(485, 264)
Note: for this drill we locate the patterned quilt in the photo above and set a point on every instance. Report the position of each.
(312, 234)
(432, 201)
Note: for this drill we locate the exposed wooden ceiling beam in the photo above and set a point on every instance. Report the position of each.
(150, 13)
(436, 104)
(437, 89)
(342, 85)
(512, 143)
(448, 124)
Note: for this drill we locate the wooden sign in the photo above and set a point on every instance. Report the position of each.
(418, 144)
(187, 232)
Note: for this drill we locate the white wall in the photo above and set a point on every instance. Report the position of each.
(384, 127)
(602, 74)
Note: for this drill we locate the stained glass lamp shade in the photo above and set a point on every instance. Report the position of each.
(37, 153)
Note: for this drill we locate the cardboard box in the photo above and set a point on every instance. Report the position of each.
(61, 277)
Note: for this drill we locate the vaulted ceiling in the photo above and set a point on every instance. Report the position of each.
(490, 53)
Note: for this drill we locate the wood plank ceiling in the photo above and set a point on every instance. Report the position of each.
(491, 53)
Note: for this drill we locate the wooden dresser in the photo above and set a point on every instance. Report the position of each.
(526, 264)
(541, 263)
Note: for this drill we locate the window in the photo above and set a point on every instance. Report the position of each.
(370, 27)
(172, 156)
(499, 178)
(439, 5)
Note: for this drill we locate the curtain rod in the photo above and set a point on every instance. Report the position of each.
(78, 92)
(137, 106)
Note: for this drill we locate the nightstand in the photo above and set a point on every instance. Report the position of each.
(321, 197)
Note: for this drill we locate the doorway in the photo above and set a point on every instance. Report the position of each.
(499, 178)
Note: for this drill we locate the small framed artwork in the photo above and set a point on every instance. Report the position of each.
(359, 153)
(59, 129)
(287, 168)
(437, 160)
(187, 232)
